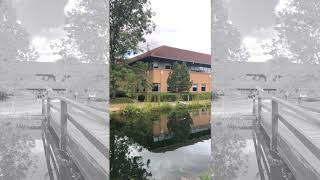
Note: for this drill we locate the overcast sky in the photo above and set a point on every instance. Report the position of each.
(183, 24)
(44, 20)
(180, 23)
(255, 20)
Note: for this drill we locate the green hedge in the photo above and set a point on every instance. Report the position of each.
(172, 97)
(121, 100)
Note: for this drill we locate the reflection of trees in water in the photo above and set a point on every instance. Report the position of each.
(124, 164)
(226, 146)
(133, 134)
(179, 125)
(15, 153)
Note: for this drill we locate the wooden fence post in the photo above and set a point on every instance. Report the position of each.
(274, 125)
(48, 112)
(43, 107)
(254, 107)
(63, 126)
(259, 111)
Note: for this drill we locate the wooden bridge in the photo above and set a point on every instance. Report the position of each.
(75, 136)
(294, 134)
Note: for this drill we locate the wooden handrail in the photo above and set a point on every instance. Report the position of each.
(298, 110)
(65, 116)
(94, 113)
(306, 141)
(104, 150)
(276, 116)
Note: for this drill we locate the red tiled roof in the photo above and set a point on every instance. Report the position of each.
(172, 53)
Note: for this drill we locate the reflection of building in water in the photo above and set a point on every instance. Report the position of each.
(200, 118)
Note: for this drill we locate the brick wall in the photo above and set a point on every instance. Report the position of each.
(199, 78)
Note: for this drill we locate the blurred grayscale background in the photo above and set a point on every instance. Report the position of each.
(54, 93)
(265, 65)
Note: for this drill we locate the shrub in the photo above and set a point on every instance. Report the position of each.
(132, 111)
(204, 96)
(3, 96)
(168, 97)
(141, 97)
(121, 100)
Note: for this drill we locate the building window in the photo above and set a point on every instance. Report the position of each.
(203, 88)
(195, 88)
(155, 65)
(156, 87)
(167, 66)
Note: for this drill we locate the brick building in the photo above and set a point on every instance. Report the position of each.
(161, 60)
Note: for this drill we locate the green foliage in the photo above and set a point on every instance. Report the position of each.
(298, 34)
(129, 22)
(227, 41)
(132, 111)
(179, 124)
(173, 97)
(179, 78)
(124, 165)
(87, 32)
(204, 96)
(205, 177)
(199, 105)
(13, 37)
(129, 79)
(121, 100)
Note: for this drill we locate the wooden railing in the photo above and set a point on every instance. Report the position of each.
(276, 116)
(85, 148)
(281, 110)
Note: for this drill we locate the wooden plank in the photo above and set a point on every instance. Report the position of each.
(254, 107)
(84, 150)
(87, 165)
(48, 112)
(306, 141)
(47, 154)
(63, 126)
(302, 163)
(101, 147)
(102, 116)
(274, 125)
(259, 111)
(309, 116)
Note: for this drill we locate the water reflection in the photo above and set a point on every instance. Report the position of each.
(171, 143)
(19, 152)
(233, 153)
(237, 144)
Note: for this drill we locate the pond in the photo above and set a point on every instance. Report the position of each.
(21, 152)
(234, 139)
(170, 145)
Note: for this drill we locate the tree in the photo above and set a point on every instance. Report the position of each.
(13, 37)
(130, 21)
(87, 30)
(226, 39)
(298, 32)
(129, 79)
(179, 78)
(179, 124)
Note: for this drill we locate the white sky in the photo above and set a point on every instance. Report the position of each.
(183, 24)
(258, 37)
(180, 23)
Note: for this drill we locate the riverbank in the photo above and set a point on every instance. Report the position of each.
(145, 105)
